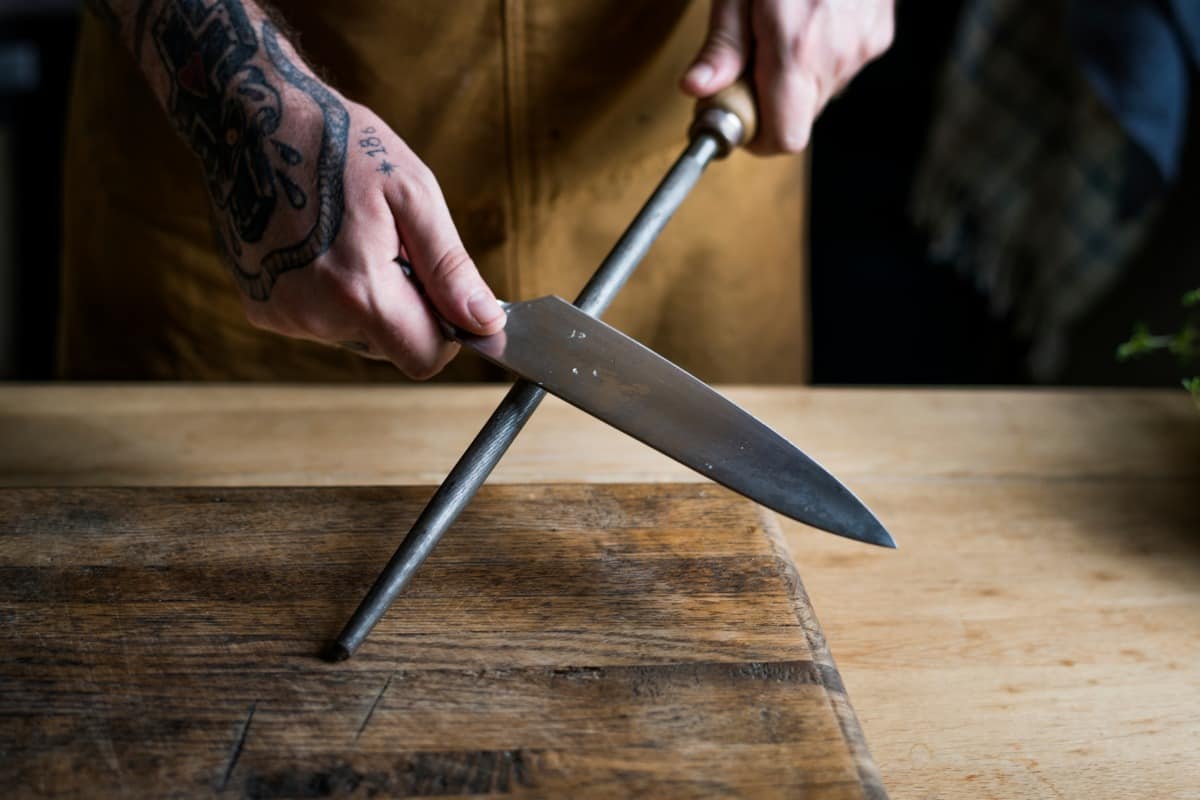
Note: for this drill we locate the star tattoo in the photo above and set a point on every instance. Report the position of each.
(387, 167)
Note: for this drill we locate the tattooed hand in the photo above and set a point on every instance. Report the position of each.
(804, 51)
(355, 294)
(314, 197)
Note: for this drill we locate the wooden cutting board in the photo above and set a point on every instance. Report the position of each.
(567, 640)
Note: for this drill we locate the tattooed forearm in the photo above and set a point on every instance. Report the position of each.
(331, 164)
(223, 105)
(270, 137)
(264, 172)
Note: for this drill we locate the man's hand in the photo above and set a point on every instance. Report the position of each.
(804, 52)
(355, 294)
(313, 197)
(314, 203)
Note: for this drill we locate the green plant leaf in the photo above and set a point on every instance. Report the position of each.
(1136, 345)
(1141, 343)
(1193, 386)
(1186, 343)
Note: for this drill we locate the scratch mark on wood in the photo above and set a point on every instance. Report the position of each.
(1031, 765)
(374, 704)
(236, 752)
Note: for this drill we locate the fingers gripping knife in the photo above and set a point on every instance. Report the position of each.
(722, 123)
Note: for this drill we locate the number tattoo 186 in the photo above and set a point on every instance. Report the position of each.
(373, 147)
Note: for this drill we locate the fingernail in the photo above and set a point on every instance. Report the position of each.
(701, 74)
(484, 308)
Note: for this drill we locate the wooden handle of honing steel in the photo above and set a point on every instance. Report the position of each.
(717, 113)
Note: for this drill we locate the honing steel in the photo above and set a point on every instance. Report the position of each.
(561, 348)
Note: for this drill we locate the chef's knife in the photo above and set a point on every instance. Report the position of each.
(600, 370)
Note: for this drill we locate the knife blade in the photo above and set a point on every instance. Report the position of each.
(620, 381)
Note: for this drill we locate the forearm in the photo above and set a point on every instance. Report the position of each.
(199, 46)
(270, 137)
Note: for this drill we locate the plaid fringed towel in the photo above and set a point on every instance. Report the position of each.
(1039, 178)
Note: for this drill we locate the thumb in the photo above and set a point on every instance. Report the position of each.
(725, 52)
(451, 280)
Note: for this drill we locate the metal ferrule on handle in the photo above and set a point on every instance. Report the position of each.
(713, 135)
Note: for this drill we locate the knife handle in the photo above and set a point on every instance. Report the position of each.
(730, 116)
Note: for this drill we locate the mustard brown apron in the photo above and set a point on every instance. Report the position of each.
(547, 123)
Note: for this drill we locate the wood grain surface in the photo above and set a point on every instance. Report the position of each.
(1036, 635)
(565, 641)
(172, 434)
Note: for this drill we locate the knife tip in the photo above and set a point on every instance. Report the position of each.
(856, 521)
(871, 531)
(885, 540)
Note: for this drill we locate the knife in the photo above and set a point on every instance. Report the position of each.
(721, 124)
(620, 381)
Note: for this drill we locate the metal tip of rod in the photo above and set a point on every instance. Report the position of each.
(335, 652)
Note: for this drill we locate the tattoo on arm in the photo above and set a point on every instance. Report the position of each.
(331, 165)
(226, 90)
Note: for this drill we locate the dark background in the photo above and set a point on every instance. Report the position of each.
(882, 314)
(37, 43)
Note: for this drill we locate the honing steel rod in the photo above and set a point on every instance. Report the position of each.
(721, 124)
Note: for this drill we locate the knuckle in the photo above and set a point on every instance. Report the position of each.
(353, 296)
(881, 39)
(788, 139)
(792, 144)
(422, 369)
(428, 179)
(419, 354)
(452, 267)
(794, 138)
(722, 41)
(371, 215)
(798, 53)
(424, 180)
(418, 188)
(343, 286)
(778, 37)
